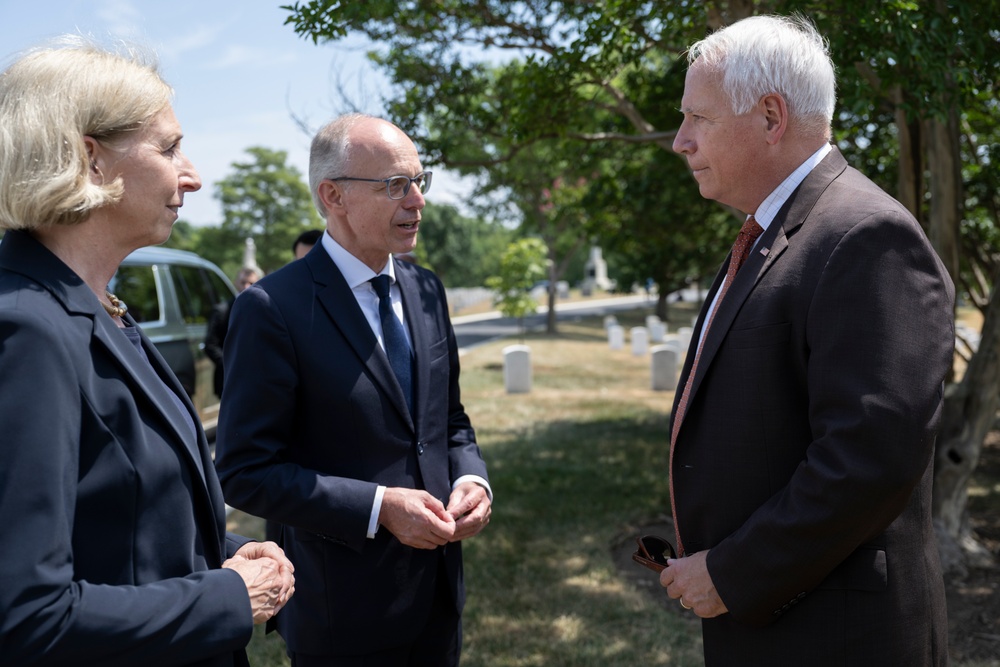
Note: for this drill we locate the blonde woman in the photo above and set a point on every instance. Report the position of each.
(113, 541)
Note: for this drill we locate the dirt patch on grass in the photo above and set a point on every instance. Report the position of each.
(974, 602)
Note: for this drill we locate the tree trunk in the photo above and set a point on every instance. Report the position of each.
(944, 160)
(970, 409)
(551, 324)
(908, 179)
(970, 406)
(721, 14)
(661, 304)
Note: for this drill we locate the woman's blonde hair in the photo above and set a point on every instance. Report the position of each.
(50, 99)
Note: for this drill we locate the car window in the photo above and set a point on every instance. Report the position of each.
(136, 286)
(220, 290)
(197, 296)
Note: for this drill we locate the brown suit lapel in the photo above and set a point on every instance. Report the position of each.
(768, 250)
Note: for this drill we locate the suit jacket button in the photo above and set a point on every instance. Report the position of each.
(420, 449)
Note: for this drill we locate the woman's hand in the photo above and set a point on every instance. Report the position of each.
(268, 576)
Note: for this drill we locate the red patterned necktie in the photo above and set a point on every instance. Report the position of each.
(741, 250)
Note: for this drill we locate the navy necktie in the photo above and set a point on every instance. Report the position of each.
(394, 339)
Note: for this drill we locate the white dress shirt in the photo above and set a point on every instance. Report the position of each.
(358, 276)
(769, 208)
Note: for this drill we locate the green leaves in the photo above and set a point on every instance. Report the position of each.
(521, 266)
(265, 199)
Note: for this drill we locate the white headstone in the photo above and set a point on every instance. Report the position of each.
(674, 343)
(663, 367)
(609, 320)
(640, 341)
(657, 332)
(517, 369)
(651, 320)
(684, 336)
(616, 336)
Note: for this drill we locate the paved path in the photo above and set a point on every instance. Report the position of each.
(473, 330)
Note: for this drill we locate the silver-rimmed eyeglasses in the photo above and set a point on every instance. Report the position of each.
(396, 187)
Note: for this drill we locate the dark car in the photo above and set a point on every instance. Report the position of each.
(171, 293)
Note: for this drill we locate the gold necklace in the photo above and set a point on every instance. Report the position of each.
(117, 308)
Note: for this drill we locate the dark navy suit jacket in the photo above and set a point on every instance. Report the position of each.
(113, 519)
(804, 462)
(313, 420)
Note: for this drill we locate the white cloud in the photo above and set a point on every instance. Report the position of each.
(122, 17)
(237, 55)
(192, 38)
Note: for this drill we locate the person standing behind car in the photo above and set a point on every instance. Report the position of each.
(113, 542)
(802, 434)
(218, 327)
(342, 418)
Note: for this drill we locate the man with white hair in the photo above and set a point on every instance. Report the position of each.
(802, 439)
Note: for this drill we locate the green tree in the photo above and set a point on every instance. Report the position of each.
(522, 264)
(660, 227)
(267, 200)
(211, 242)
(571, 54)
(462, 250)
(548, 184)
(183, 236)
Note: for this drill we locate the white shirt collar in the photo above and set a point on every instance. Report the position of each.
(772, 204)
(355, 271)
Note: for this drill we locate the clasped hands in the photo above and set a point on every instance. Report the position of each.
(268, 575)
(420, 520)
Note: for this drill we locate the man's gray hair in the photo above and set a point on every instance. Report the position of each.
(330, 153)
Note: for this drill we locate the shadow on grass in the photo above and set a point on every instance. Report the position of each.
(543, 587)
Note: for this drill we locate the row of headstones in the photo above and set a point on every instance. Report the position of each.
(664, 364)
(655, 331)
(665, 358)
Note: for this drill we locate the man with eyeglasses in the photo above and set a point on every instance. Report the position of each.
(345, 422)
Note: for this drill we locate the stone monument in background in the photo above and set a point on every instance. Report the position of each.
(595, 272)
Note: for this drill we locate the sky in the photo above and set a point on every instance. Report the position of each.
(240, 76)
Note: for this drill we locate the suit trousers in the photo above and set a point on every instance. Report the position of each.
(439, 644)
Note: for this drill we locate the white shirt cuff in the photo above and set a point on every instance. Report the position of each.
(376, 508)
(380, 492)
(478, 480)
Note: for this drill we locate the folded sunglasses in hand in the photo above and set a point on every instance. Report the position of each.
(653, 552)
